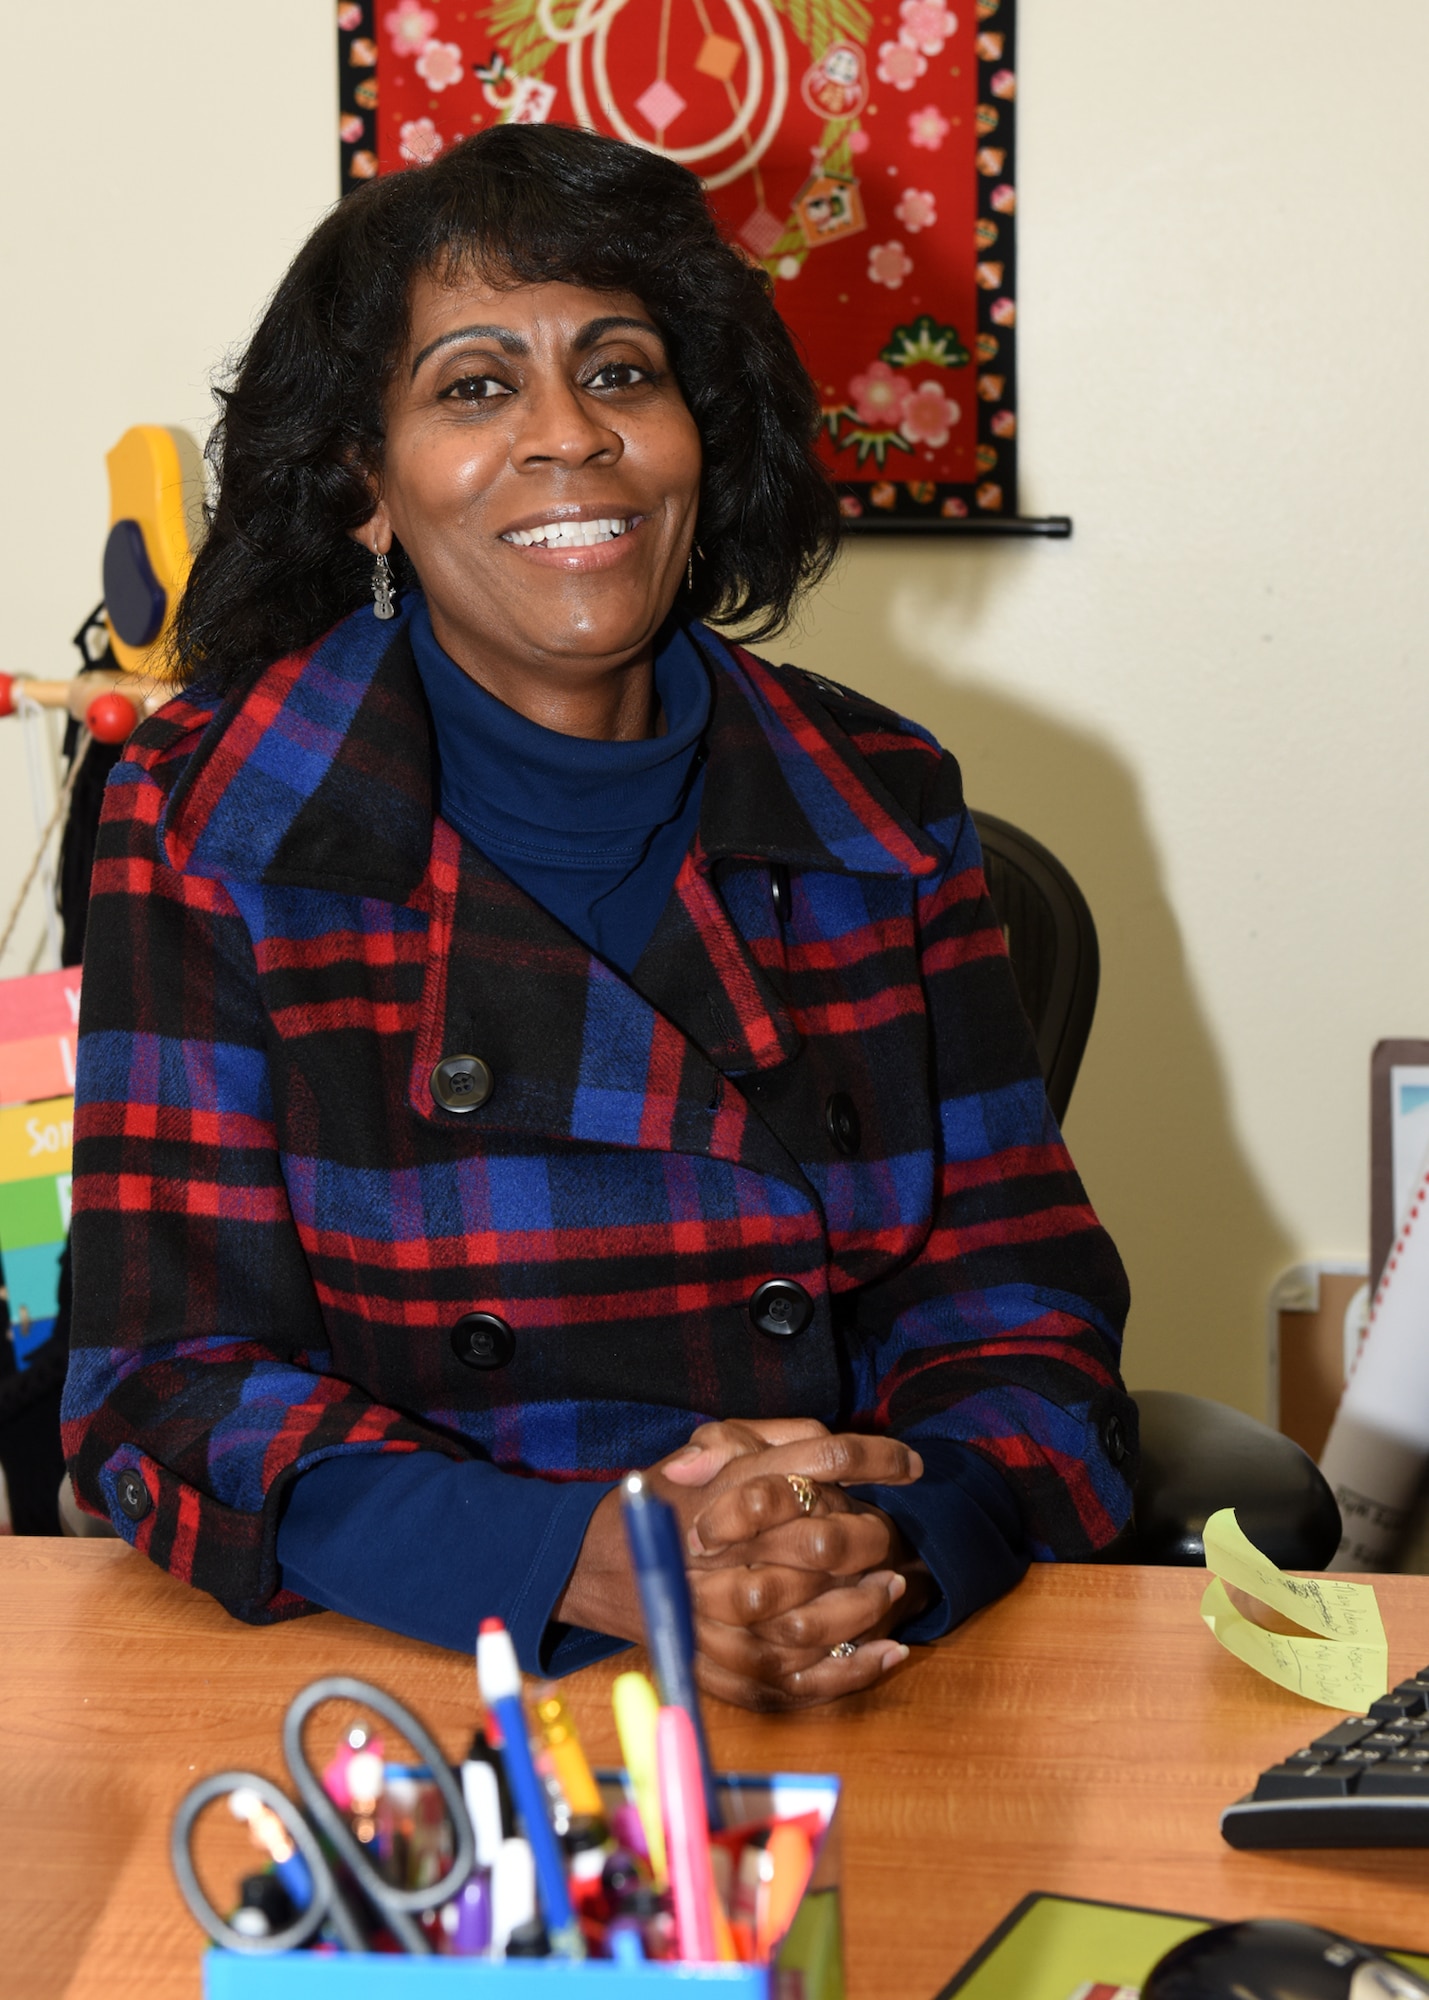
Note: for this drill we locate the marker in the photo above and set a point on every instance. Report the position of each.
(787, 1864)
(513, 1893)
(467, 1917)
(636, 1707)
(568, 1759)
(686, 1835)
(500, 1680)
(654, 1537)
(482, 1785)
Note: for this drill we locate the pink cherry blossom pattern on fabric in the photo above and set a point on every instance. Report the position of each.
(1004, 199)
(916, 210)
(363, 166)
(926, 25)
(927, 128)
(349, 18)
(440, 64)
(350, 130)
(858, 140)
(928, 416)
(420, 141)
(900, 65)
(410, 26)
(879, 396)
(889, 264)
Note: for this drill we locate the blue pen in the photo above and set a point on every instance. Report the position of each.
(499, 1678)
(654, 1537)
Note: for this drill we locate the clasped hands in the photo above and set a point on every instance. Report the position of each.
(775, 1588)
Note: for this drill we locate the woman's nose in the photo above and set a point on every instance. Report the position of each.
(560, 426)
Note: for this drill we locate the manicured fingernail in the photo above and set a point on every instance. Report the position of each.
(897, 1584)
(685, 1451)
(893, 1656)
(693, 1543)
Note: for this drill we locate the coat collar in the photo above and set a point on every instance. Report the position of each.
(321, 775)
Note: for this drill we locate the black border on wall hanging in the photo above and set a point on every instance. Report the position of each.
(902, 507)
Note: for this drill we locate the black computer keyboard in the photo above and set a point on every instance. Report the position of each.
(1364, 1783)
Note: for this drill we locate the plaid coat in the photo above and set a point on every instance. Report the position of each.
(819, 1073)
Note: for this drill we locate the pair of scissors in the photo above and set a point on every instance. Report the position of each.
(317, 1815)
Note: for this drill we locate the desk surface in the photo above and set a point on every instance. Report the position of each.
(1080, 1736)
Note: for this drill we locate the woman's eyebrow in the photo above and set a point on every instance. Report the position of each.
(513, 343)
(599, 328)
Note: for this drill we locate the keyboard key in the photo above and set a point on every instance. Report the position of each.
(1394, 1707)
(1383, 1739)
(1345, 1735)
(1393, 1779)
(1306, 1781)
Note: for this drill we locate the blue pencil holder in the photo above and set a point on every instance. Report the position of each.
(807, 1965)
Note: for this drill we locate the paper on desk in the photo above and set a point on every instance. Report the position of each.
(1346, 1663)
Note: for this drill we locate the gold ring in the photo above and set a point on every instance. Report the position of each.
(805, 1491)
(844, 1650)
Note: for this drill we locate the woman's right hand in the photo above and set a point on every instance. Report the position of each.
(774, 1588)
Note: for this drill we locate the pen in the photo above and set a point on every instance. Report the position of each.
(686, 1835)
(654, 1538)
(500, 1681)
(272, 1836)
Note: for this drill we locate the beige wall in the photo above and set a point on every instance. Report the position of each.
(1212, 702)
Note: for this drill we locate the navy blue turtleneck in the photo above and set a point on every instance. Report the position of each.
(594, 832)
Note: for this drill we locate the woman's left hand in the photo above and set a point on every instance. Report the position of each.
(757, 1541)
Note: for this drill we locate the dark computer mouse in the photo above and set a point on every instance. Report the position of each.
(1271, 1960)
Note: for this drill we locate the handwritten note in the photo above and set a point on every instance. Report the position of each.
(1343, 1661)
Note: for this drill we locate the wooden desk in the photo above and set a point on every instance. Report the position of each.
(1080, 1736)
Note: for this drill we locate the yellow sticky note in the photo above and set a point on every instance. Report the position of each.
(1343, 1658)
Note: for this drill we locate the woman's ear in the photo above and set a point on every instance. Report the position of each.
(375, 534)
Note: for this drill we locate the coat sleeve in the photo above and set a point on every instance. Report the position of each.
(1000, 1342)
(198, 1384)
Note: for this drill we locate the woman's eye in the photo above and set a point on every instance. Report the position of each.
(619, 375)
(475, 389)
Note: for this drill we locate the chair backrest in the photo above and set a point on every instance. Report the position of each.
(1052, 943)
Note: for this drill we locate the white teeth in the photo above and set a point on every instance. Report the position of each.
(567, 534)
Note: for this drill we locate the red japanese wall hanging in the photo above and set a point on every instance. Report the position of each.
(863, 153)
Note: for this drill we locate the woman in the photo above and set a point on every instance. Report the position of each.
(526, 1038)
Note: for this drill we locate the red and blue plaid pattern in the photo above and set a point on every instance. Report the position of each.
(276, 1225)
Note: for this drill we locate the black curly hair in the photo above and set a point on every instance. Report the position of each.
(301, 425)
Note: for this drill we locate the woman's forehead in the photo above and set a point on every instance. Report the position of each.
(476, 294)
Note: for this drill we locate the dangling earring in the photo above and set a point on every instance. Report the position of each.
(384, 602)
(690, 569)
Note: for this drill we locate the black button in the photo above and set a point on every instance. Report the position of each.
(481, 1340)
(842, 1119)
(462, 1083)
(132, 1495)
(1114, 1438)
(781, 1307)
(779, 889)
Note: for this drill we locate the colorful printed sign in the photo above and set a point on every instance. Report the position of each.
(39, 1018)
(862, 153)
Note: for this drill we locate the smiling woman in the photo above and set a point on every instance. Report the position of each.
(526, 1037)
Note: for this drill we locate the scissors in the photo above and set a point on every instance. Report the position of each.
(318, 1815)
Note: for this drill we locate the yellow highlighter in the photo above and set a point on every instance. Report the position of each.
(636, 1707)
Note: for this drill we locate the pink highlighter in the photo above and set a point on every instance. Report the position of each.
(687, 1840)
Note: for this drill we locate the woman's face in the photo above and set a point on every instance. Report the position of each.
(542, 472)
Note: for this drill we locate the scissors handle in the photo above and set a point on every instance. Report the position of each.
(395, 1905)
(326, 1899)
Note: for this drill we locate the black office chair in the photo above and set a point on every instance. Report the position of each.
(1196, 1455)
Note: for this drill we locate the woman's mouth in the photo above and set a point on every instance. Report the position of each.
(571, 534)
